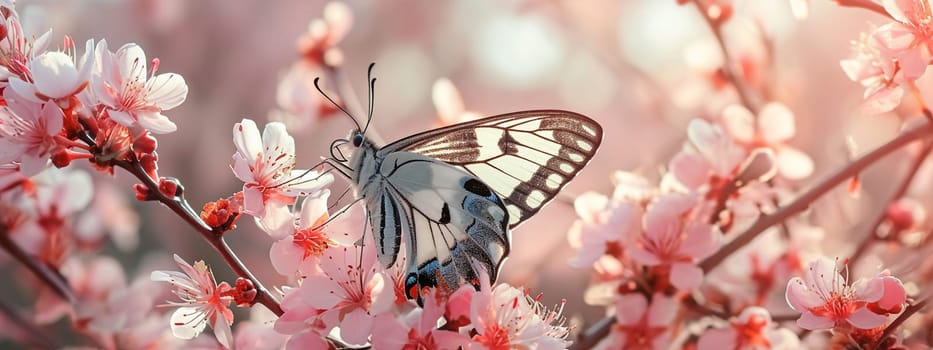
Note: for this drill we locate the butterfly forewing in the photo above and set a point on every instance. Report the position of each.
(455, 192)
(526, 157)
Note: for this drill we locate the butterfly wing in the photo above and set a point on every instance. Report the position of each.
(525, 157)
(451, 220)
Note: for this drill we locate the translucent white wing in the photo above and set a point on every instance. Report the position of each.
(525, 157)
(452, 221)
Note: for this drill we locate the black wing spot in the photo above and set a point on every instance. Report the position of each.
(507, 144)
(445, 215)
(476, 187)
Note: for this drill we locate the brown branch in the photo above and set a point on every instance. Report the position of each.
(871, 236)
(804, 201)
(179, 205)
(44, 272)
(909, 311)
(591, 336)
(37, 337)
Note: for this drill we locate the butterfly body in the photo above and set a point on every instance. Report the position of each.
(454, 193)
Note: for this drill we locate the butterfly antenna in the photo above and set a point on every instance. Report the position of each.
(335, 146)
(372, 95)
(318, 87)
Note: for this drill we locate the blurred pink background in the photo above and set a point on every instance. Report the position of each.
(631, 65)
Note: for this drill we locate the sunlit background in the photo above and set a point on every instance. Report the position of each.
(640, 68)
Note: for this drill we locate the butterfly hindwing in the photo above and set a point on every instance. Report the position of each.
(525, 157)
(454, 219)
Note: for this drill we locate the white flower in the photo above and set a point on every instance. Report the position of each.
(133, 97)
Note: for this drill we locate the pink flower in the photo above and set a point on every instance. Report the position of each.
(299, 252)
(265, 165)
(133, 97)
(709, 156)
(28, 133)
(506, 318)
(55, 76)
(318, 44)
(827, 300)
(203, 301)
(751, 330)
(17, 51)
(773, 128)
(351, 291)
(878, 74)
(673, 239)
(910, 39)
(418, 329)
(603, 227)
(301, 321)
(640, 325)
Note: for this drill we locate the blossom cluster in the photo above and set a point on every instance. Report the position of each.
(716, 250)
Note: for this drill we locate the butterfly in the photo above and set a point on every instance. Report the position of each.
(454, 193)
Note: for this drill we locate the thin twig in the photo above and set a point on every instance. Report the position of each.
(804, 201)
(45, 273)
(591, 336)
(179, 205)
(37, 337)
(871, 236)
(909, 311)
(728, 66)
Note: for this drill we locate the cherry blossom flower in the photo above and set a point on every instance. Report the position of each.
(16, 51)
(640, 325)
(909, 39)
(28, 133)
(751, 330)
(133, 97)
(318, 44)
(308, 242)
(265, 165)
(351, 290)
(673, 240)
(878, 74)
(709, 154)
(301, 322)
(603, 227)
(773, 128)
(203, 301)
(418, 329)
(827, 300)
(55, 76)
(505, 317)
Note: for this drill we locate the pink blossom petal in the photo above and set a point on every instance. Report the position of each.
(793, 164)
(801, 298)
(898, 9)
(356, 327)
(275, 138)
(167, 91)
(54, 74)
(253, 201)
(642, 256)
(277, 220)
(686, 276)
(813, 322)
(24, 89)
(307, 341)
(776, 123)
(702, 240)
(716, 339)
(247, 140)
(447, 100)
(590, 205)
(662, 311)
(241, 168)
(883, 99)
(864, 319)
(155, 122)
(122, 118)
(325, 294)
(294, 319)
(914, 62)
(691, 170)
(630, 308)
(871, 290)
(894, 294)
(222, 331)
(894, 36)
(740, 122)
(285, 256)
